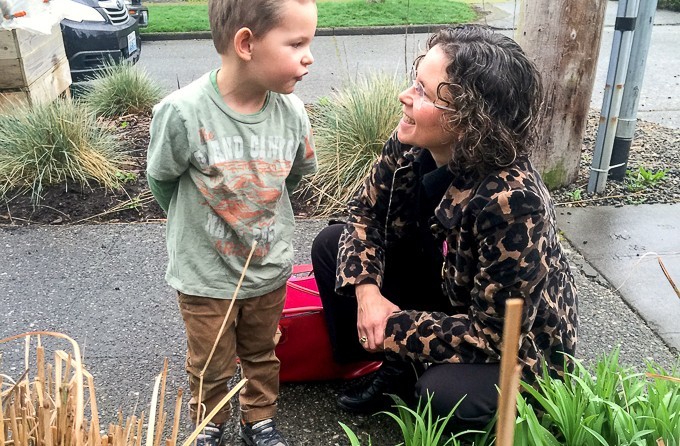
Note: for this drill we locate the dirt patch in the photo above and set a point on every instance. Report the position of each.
(74, 203)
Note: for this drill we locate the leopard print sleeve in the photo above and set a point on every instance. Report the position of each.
(509, 260)
(361, 256)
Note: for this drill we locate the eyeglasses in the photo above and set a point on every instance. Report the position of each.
(421, 99)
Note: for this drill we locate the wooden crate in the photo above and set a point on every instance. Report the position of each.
(33, 67)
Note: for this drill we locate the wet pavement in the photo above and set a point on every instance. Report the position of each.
(624, 244)
(103, 285)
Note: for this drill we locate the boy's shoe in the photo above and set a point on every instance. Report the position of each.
(212, 435)
(261, 433)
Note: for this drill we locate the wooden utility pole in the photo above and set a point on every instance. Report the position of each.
(563, 39)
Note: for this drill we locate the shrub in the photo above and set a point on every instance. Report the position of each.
(672, 5)
(120, 89)
(54, 143)
(350, 128)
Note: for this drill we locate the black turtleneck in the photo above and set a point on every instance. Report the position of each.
(434, 181)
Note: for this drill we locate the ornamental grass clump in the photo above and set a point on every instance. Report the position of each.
(54, 403)
(56, 143)
(121, 89)
(350, 128)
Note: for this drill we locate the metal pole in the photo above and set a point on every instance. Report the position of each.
(631, 94)
(613, 92)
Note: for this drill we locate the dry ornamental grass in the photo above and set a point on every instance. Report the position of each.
(47, 404)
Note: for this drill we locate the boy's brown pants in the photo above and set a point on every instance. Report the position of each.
(249, 333)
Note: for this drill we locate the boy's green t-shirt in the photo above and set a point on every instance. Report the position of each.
(231, 171)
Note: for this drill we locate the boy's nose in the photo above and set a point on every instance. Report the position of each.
(308, 59)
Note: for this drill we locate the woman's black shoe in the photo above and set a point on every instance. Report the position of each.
(393, 378)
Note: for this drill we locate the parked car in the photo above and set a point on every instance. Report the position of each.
(138, 11)
(106, 33)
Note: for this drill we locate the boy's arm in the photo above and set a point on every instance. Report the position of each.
(162, 191)
(167, 156)
(292, 182)
(305, 157)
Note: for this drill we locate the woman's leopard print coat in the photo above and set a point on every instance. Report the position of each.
(501, 242)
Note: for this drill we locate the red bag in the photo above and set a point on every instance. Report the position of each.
(304, 348)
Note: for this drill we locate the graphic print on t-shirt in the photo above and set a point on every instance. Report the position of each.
(242, 182)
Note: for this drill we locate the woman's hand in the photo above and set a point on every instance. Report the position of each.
(372, 313)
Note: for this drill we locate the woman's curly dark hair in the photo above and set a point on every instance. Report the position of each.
(496, 93)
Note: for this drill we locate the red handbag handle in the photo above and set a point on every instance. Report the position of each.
(300, 311)
(301, 288)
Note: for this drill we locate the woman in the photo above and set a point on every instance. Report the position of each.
(452, 220)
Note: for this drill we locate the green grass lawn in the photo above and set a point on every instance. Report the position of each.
(193, 16)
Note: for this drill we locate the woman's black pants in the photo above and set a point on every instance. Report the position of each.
(413, 283)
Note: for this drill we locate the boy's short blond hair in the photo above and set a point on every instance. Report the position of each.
(228, 16)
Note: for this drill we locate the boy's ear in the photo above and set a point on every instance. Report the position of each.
(243, 43)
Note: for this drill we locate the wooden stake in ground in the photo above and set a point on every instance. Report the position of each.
(509, 373)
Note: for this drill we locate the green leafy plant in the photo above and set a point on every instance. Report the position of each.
(615, 406)
(56, 143)
(350, 128)
(120, 89)
(126, 176)
(636, 200)
(642, 178)
(672, 5)
(419, 426)
(353, 438)
(607, 404)
(576, 194)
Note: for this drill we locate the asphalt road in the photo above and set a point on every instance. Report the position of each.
(336, 59)
(103, 285)
(339, 58)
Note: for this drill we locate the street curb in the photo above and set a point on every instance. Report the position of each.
(349, 31)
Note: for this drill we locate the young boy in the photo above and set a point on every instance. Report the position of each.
(225, 153)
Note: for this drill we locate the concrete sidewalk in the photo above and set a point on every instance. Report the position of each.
(623, 244)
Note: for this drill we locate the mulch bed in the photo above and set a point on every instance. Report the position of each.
(655, 148)
(74, 203)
